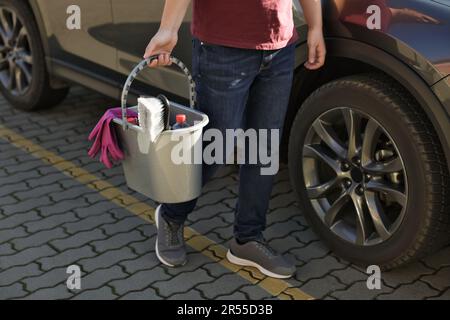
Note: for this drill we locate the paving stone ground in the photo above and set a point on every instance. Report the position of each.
(49, 221)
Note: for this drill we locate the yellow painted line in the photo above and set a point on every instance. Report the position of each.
(277, 288)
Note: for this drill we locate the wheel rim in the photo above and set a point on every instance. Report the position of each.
(355, 176)
(16, 60)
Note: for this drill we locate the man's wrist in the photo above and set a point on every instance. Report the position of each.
(315, 28)
(170, 29)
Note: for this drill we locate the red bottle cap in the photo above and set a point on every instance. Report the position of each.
(181, 118)
(132, 120)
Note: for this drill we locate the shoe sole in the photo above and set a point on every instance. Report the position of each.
(156, 246)
(247, 263)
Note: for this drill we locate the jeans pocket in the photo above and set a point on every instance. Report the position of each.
(208, 50)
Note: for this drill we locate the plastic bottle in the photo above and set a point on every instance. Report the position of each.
(133, 120)
(181, 122)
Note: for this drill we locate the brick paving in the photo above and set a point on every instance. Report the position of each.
(49, 221)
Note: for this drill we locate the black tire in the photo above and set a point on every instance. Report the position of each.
(425, 226)
(39, 95)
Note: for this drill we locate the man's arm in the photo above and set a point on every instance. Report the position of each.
(166, 38)
(312, 10)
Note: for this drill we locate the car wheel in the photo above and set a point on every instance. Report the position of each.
(370, 172)
(24, 80)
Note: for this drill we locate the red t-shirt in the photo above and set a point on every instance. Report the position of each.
(247, 24)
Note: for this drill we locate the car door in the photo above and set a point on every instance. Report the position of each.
(85, 47)
(135, 22)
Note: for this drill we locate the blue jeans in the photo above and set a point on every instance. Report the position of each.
(241, 89)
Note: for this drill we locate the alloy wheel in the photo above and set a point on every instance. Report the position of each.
(355, 176)
(16, 60)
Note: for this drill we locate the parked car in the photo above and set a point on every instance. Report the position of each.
(368, 135)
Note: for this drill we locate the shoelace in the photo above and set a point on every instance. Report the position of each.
(174, 233)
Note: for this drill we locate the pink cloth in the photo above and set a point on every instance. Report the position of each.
(106, 139)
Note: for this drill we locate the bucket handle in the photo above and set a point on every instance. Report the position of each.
(134, 73)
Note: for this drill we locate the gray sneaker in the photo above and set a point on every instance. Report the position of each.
(170, 247)
(261, 256)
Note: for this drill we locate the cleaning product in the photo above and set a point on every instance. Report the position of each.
(133, 120)
(180, 122)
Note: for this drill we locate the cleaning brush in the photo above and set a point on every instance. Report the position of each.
(152, 116)
(166, 104)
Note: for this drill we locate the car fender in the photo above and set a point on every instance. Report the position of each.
(397, 69)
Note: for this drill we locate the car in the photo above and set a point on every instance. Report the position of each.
(367, 136)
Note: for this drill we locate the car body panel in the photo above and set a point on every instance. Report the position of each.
(118, 32)
(423, 46)
(115, 32)
(431, 41)
(419, 89)
(345, 26)
(65, 43)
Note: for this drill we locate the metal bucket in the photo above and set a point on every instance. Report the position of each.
(151, 171)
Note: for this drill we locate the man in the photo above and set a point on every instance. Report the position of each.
(243, 63)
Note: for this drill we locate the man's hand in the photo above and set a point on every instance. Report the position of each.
(162, 44)
(316, 49)
(166, 38)
(312, 9)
